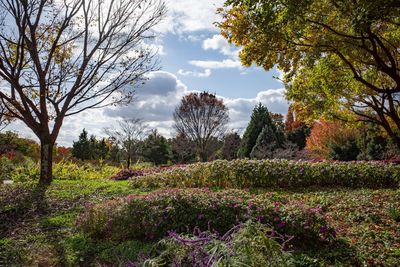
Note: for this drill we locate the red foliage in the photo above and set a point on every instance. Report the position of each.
(324, 134)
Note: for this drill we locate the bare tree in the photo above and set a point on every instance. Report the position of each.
(129, 137)
(59, 58)
(201, 117)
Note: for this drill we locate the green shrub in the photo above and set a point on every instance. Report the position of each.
(28, 170)
(6, 168)
(63, 170)
(151, 216)
(250, 244)
(275, 173)
(66, 170)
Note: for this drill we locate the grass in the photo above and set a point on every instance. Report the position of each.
(44, 233)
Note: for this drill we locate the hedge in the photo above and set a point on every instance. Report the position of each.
(275, 173)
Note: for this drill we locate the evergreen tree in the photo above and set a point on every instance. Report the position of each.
(81, 148)
(259, 119)
(156, 148)
(103, 149)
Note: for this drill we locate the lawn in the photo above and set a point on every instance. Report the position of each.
(366, 222)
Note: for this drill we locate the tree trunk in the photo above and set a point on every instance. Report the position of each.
(128, 162)
(46, 162)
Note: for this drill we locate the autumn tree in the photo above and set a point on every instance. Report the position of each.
(332, 140)
(340, 58)
(201, 117)
(128, 138)
(59, 58)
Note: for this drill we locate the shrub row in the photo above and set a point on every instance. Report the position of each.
(275, 173)
(151, 216)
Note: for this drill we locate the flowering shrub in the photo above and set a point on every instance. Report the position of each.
(275, 173)
(248, 244)
(151, 216)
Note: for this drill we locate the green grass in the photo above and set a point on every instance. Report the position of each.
(45, 234)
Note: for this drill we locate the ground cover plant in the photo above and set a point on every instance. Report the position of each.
(276, 173)
(84, 222)
(151, 216)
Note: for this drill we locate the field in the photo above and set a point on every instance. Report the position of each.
(366, 222)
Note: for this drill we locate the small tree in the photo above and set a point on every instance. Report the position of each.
(59, 58)
(201, 117)
(231, 146)
(156, 148)
(128, 138)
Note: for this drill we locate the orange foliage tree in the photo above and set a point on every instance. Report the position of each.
(326, 134)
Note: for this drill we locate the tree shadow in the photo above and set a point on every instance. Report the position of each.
(21, 203)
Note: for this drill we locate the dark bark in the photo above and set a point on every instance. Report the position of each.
(46, 161)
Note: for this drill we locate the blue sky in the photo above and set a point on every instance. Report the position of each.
(229, 82)
(193, 57)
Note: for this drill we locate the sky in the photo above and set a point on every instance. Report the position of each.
(193, 57)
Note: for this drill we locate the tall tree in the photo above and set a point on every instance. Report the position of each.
(340, 58)
(59, 58)
(128, 137)
(259, 118)
(201, 117)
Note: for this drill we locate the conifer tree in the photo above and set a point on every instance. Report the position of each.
(81, 148)
(259, 119)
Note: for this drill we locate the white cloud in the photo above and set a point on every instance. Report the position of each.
(206, 73)
(219, 43)
(211, 64)
(185, 16)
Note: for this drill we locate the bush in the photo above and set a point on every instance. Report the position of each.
(276, 173)
(28, 170)
(63, 170)
(66, 170)
(249, 244)
(6, 168)
(152, 216)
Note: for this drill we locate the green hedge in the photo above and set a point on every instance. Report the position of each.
(275, 173)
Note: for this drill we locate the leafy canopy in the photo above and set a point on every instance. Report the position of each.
(340, 57)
